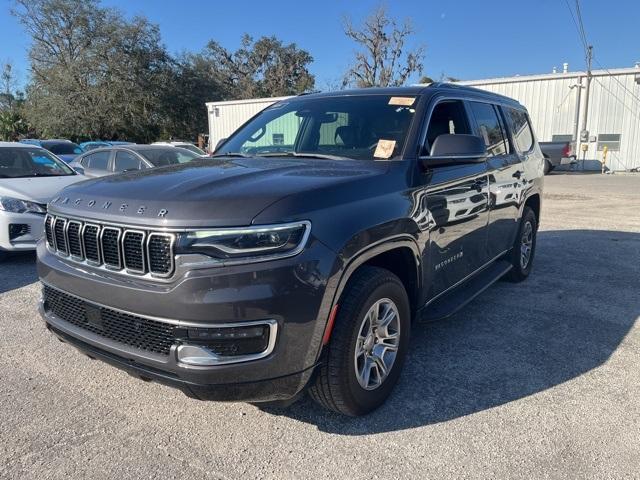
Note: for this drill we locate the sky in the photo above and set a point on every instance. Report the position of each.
(466, 39)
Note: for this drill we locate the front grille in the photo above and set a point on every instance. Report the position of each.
(133, 251)
(73, 236)
(131, 330)
(160, 253)
(136, 252)
(48, 228)
(110, 243)
(90, 240)
(58, 230)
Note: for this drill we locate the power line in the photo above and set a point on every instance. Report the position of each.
(582, 38)
(582, 32)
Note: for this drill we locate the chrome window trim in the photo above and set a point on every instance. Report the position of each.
(106, 265)
(171, 257)
(142, 248)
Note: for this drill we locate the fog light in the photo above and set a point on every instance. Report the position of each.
(228, 344)
(18, 230)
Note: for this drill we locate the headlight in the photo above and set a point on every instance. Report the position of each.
(245, 244)
(16, 205)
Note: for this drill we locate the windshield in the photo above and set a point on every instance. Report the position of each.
(30, 162)
(63, 148)
(362, 127)
(192, 148)
(160, 157)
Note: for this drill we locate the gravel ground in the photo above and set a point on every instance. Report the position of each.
(535, 380)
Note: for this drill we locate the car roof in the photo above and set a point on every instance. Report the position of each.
(18, 145)
(420, 89)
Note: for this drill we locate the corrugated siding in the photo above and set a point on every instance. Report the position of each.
(613, 109)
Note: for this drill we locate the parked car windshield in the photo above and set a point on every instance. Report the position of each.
(193, 148)
(160, 157)
(63, 148)
(30, 162)
(356, 127)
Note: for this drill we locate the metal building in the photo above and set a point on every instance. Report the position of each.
(556, 102)
(226, 117)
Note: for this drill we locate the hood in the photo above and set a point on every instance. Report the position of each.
(207, 192)
(36, 189)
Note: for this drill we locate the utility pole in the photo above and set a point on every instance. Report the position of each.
(584, 134)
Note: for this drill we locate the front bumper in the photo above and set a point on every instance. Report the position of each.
(290, 291)
(26, 242)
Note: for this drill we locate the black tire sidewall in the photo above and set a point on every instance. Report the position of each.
(528, 216)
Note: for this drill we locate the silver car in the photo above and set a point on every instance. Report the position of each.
(30, 177)
(109, 160)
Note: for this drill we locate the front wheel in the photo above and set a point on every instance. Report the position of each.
(368, 344)
(524, 247)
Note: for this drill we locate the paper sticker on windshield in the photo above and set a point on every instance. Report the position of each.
(402, 101)
(385, 148)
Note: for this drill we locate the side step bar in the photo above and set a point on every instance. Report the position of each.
(451, 302)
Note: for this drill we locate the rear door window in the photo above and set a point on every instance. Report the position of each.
(489, 128)
(97, 161)
(126, 161)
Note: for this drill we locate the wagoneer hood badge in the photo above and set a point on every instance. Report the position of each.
(107, 205)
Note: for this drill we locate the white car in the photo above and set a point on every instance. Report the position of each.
(30, 177)
(186, 145)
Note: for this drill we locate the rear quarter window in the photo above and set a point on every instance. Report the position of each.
(520, 129)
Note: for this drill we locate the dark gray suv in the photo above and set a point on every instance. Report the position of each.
(301, 254)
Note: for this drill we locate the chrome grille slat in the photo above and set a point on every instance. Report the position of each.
(110, 246)
(73, 238)
(116, 248)
(59, 236)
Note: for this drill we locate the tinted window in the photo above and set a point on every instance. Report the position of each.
(521, 130)
(489, 127)
(447, 118)
(362, 127)
(160, 157)
(30, 162)
(126, 161)
(98, 160)
(63, 148)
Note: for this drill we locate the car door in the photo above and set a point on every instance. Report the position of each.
(125, 161)
(505, 173)
(96, 164)
(456, 205)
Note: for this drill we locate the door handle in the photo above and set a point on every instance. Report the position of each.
(517, 174)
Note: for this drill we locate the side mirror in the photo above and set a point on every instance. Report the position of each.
(78, 169)
(450, 149)
(219, 144)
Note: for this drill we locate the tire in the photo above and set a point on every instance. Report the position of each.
(527, 234)
(337, 385)
(3, 256)
(547, 166)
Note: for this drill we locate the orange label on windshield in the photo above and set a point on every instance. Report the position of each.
(402, 101)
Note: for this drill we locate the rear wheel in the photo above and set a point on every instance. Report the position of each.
(368, 344)
(548, 167)
(524, 247)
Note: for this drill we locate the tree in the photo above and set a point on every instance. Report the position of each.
(94, 73)
(264, 68)
(382, 60)
(426, 79)
(12, 122)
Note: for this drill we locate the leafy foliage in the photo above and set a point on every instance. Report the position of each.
(97, 75)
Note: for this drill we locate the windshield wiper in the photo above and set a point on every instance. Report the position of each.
(231, 154)
(305, 155)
